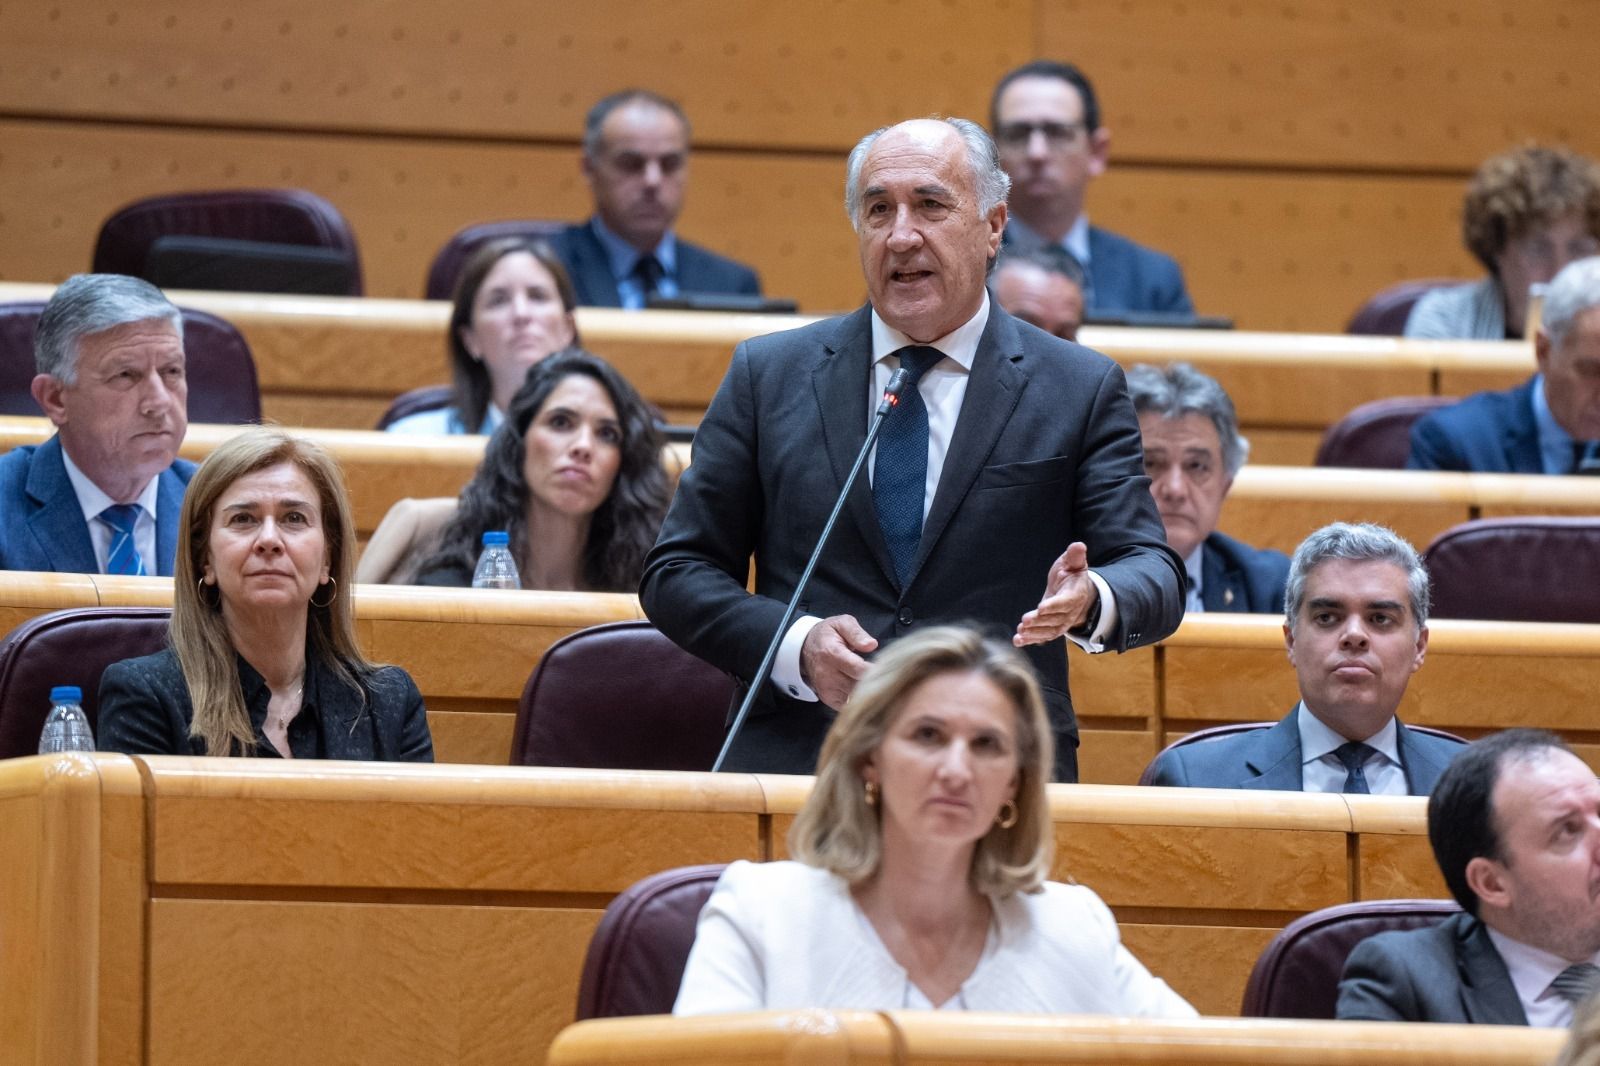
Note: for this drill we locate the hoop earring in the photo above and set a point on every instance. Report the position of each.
(1008, 818)
(335, 583)
(869, 791)
(200, 591)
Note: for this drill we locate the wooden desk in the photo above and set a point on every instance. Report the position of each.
(921, 1038)
(446, 910)
(338, 361)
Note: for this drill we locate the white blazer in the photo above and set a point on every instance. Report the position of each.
(783, 935)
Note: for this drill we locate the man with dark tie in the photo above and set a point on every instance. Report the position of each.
(1046, 117)
(1550, 424)
(1006, 485)
(102, 495)
(636, 161)
(1192, 451)
(1515, 828)
(1356, 629)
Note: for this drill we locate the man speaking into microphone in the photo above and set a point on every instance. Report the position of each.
(1006, 486)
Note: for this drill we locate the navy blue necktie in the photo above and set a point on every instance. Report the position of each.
(123, 558)
(1354, 756)
(900, 470)
(1585, 459)
(648, 271)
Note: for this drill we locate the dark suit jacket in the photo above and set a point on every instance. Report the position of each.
(145, 709)
(1487, 433)
(1242, 579)
(1046, 451)
(1130, 277)
(699, 270)
(41, 522)
(1270, 759)
(1449, 972)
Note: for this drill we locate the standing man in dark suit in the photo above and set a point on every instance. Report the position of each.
(1356, 630)
(1005, 488)
(1046, 119)
(102, 495)
(636, 161)
(1515, 829)
(1550, 424)
(1192, 451)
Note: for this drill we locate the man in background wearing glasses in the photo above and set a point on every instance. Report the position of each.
(1046, 121)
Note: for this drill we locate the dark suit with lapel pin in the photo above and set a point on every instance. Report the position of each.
(41, 521)
(1046, 451)
(1270, 759)
(699, 270)
(1240, 579)
(1448, 972)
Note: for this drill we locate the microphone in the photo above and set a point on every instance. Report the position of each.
(891, 398)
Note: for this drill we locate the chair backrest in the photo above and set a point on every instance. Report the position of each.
(638, 952)
(447, 263)
(71, 647)
(221, 370)
(1517, 570)
(1377, 435)
(267, 216)
(1297, 975)
(415, 401)
(621, 696)
(1385, 314)
(1221, 732)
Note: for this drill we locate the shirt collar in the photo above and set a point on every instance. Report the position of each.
(1193, 564)
(1555, 443)
(1318, 739)
(960, 344)
(1531, 969)
(93, 499)
(624, 257)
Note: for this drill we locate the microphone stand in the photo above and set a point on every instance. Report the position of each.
(891, 397)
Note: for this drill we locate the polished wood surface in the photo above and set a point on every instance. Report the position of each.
(938, 1038)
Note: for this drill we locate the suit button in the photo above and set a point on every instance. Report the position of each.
(905, 616)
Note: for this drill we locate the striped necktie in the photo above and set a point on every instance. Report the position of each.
(123, 558)
(1576, 981)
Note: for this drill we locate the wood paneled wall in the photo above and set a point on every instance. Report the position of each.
(1294, 155)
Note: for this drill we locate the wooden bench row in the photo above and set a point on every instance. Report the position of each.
(471, 653)
(338, 362)
(350, 912)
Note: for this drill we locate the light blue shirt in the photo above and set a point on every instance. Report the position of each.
(623, 258)
(1194, 566)
(443, 422)
(1555, 443)
(1321, 770)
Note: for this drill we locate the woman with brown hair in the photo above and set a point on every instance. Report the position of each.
(263, 657)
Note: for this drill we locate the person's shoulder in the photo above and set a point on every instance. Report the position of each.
(1061, 914)
(14, 466)
(441, 421)
(1407, 947)
(183, 469)
(394, 681)
(1457, 312)
(1247, 555)
(160, 670)
(1115, 243)
(698, 258)
(1497, 406)
(764, 878)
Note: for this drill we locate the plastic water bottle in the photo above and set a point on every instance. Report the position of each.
(496, 569)
(67, 727)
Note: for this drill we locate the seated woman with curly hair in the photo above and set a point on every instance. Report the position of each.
(573, 476)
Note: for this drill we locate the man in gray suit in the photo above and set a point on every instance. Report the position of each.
(1006, 487)
(1515, 828)
(1356, 630)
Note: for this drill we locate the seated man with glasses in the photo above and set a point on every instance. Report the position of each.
(1046, 122)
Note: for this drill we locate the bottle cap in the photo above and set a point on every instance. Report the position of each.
(66, 694)
(498, 537)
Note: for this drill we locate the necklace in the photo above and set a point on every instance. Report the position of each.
(280, 719)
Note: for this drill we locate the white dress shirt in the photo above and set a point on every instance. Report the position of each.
(1321, 770)
(1532, 969)
(93, 500)
(943, 388)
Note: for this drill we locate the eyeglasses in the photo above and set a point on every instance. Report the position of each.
(1057, 135)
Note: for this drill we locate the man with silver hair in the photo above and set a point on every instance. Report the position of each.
(1192, 451)
(1550, 424)
(1356, 628)
(102, 495)
(1005, 487)
(636, 163)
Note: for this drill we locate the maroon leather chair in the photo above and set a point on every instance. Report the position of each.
(1385, 314)
(446, 266)
(1221, 732)
(638, 952)
(621, 696)
(273, 216)
(1517, 570)
(221, 370)
(71, 647)
(427, 398)
(1377, 435)
(1297, 975)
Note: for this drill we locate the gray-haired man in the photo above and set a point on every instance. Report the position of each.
(102, 495)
